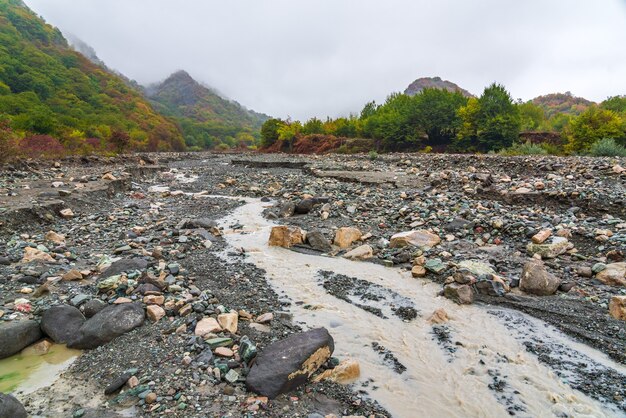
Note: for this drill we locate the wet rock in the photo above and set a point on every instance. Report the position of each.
(477, 268)
(17, 335)
(118, 383)
(33, 254)
(364, 252)
(206, 326)
(617, 307)
(123, 266)
(304, 206)
(72, 275)
(613, 275)
(265, 318)
(435, 265)
(66, 213)
(92, 307)
(155, 313)
(55, 238)
(286, 209)
(418, 271)
(318, 241)
(457, 225)
(490, 288)
(108, 324)
(459, 293)
(289, 363)
(346, 236)
(536, 280)
(286, 236)
(419, 238)
(10, 407)
(584, 271)
(541, 236)
(229, 321)
(205, 223)
(346, 372)
(553, 249)
(439, 317)
(61, 323)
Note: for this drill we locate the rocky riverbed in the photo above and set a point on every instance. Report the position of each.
(142, 264)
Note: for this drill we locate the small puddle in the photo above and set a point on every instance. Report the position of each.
(30, 370)
(474, 365)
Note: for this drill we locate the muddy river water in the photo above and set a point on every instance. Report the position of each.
(475, 364)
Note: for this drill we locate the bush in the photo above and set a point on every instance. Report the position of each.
(607, 147)
(373, 155)
(527, 148)
(42, 146)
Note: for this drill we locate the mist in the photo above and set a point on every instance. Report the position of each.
(328, 57)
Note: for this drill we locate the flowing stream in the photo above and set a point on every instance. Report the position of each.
(476, 364)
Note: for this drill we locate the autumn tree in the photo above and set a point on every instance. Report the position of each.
(591, 126)
(269, 131)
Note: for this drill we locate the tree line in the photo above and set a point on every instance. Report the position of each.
(440, 120)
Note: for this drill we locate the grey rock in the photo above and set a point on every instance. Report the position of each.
(318, 241)
(108, 324)
(287, 364)
(304, 206)
(117, 384)
(61, 323)
(17, 335)
(11, 407)
(124, 265)
(286, 209)
(93, 307)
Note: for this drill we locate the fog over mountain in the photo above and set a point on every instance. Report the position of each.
(313, 58)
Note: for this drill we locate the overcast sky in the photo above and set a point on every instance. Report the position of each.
(306, 58)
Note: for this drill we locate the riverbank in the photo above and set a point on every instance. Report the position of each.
(401, 192)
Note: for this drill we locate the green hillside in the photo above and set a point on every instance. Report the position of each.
(206, 119)
(47, 90)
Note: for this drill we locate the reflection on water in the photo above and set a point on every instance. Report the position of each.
(31, 370)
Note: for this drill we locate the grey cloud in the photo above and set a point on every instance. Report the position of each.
(328, 57)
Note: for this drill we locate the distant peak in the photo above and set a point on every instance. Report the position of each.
(180, 75)
(420, 84)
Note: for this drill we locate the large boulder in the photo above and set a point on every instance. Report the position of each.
(286, 236)
(108, 324)
(17, 335)
(552, 249)
(613, 275)
(346, 236)
(420, 238)
(11, 407)
(536, 280)
(124, 265)
(287, 364)
(61, 323)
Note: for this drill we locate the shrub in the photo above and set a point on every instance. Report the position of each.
(41, 146)
(607, 147)
(8, 143)
(526, 148)
(373, 155)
